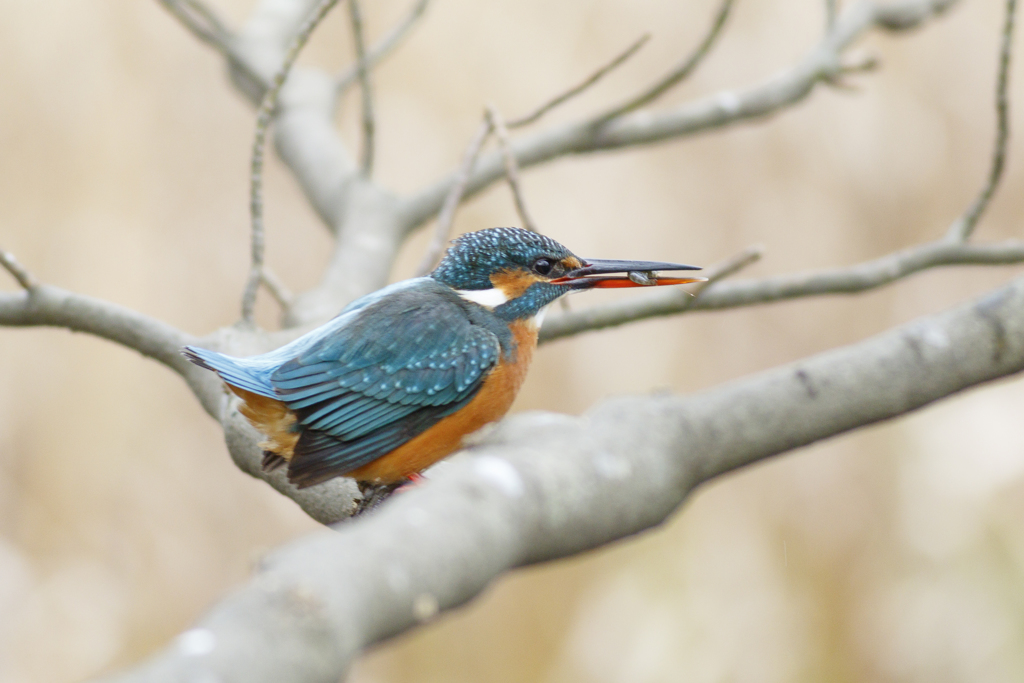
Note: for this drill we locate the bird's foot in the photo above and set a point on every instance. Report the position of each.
(412, 481)
(374, 495)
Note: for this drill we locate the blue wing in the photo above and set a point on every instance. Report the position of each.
(397, 367)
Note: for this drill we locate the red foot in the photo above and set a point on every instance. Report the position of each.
(413, 480)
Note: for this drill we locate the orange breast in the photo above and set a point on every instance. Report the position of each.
(444, 438)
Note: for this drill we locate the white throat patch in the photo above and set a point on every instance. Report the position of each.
(538, 320)
(488, 298)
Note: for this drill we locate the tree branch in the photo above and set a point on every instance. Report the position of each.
(583, 85)
(45, 305)
(511, 167)
(451, 203)
(830, 13)
(17, 271)
(263, 118)
(361, 214)
(277, 288)
(363, 71)
(677, 75)
(666, 302)
(732, 294)
(384, 48)
(203, 22)
(725, 108)
(304, 131)
(454, 196)
(953, 250)
(622, 468)
(961, 230)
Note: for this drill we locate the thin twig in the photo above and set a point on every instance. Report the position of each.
(18, 271)
(201, 21)
(854, 64)
(859, 277)
(382, 49)
(263, 117)
(446, 217)
(276, 287)
(963, 227)
(730, 266)
(684, 69)
(577, 89)
(356, 17)
(666, 302)
(728, 107)
(511, 166)
(719, 271)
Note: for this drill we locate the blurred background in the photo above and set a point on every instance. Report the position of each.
(895, 553)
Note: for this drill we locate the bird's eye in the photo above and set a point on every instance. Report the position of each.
(542, 266)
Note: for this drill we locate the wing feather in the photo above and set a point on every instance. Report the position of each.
(402, 364)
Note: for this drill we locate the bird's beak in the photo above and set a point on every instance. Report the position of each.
(607, 274)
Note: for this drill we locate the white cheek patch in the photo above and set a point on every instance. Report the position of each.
(490, 298)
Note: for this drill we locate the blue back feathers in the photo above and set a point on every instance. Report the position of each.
(375, 377)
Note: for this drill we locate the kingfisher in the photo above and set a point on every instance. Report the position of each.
(394, 382)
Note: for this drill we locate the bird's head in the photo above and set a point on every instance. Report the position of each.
(516, 272)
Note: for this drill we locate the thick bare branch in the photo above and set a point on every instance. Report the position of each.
(511, 167)
(725, 108)
(961, 230)
(732, 294)
(263, 117)
(622, 468)
(366, 93)
(678, 74)
(447, 216)
(580, 87)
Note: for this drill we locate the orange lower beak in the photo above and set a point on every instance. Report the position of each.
(622, 282)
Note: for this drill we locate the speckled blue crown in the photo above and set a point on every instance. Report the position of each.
(475, 256)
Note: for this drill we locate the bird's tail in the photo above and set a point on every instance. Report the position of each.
(232, 370)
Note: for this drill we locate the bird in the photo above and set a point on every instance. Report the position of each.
(394, 382)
